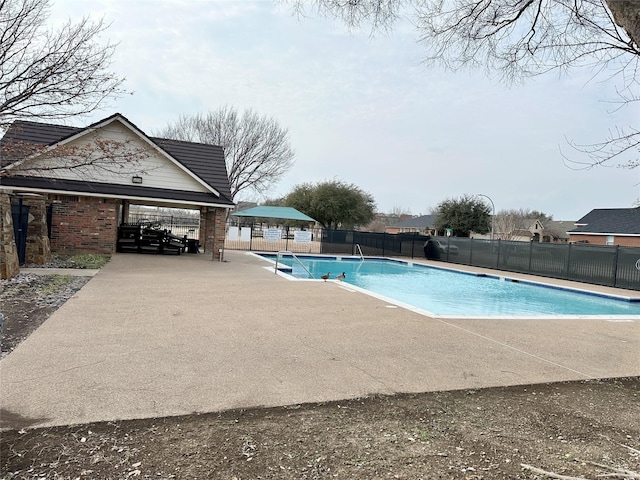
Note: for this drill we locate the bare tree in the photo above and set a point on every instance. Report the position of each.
(96, 155)
(619, 143)
(257, 149)
(509, 224)
(51, 74)
(518, 39)
(527, 37)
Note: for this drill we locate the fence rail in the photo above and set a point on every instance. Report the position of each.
(179, 226)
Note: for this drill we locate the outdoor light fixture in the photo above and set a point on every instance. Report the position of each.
(494, 210)
(136, 179)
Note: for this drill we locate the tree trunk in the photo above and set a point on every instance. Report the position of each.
(626, 14)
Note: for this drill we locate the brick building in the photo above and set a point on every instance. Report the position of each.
(608, 226)
(88, 177)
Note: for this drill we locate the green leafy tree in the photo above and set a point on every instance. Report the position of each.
(464, 215)
(334, 204)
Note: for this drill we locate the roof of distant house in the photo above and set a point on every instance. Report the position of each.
(424, 221)
(559, 227)
(619, 221)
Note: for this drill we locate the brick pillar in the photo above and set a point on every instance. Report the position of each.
(220, 232)
(9, 265)
(38, 247)
(212, 224)
(202, 233)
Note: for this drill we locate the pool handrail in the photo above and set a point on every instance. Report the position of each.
(357, 248)
(294, 256)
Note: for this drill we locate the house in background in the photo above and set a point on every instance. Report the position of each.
(530, 230)
(424, 225)
(556, 231)
(608, 226)
(88, 177)
(549, 231)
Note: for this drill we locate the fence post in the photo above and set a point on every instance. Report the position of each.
(568, 265)
(471, 251)
(615, 266)
(497, 255)
(530, 255)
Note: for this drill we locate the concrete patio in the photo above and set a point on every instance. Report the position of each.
(152, 336)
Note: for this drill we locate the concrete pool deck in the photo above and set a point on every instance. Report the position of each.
(151, 336)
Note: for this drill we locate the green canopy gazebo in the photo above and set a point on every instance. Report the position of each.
(287, 213)
(266, 211)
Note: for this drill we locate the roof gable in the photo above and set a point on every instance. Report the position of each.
(205, 164)
(205, 161)
(619, 221)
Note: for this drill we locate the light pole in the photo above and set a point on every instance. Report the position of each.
(493, 208)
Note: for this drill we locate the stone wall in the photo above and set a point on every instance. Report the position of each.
(38, 247)
(9, 266)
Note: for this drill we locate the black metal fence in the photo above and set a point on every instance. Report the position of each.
(189, 226)
(612, 266)
(372, 243)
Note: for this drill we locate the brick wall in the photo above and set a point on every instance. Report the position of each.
(602, 240)
(83, 225)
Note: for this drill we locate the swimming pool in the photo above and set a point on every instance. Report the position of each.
(444, 292)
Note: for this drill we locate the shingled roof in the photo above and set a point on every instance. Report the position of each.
(611, 221)
(204, 161)
(424, 221)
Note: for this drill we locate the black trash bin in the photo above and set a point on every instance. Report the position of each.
(193, 245)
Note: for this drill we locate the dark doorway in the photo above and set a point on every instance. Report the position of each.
(20, 217)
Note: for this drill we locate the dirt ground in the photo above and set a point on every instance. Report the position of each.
(568, 430)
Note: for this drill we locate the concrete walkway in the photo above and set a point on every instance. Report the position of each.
(74, 272)
(168, 335)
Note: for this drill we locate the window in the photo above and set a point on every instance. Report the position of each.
(609, 240)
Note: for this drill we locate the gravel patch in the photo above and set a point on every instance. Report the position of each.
(28, 300)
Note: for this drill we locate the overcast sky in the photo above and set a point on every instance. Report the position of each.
(365, 110)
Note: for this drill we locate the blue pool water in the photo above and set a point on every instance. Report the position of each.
(448, 293)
